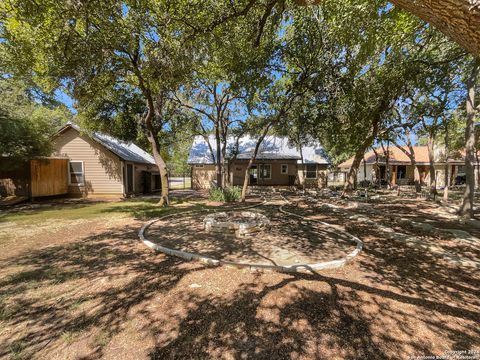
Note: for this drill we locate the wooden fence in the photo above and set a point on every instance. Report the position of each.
(34, 178)
(48, 177)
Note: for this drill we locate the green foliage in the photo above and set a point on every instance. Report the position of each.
(26, 125)
(232, 193)
(216, 194)
(228, 194)
(360, 57)
(179, 155)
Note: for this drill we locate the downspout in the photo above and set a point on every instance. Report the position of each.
(302, 180)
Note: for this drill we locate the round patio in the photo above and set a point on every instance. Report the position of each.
(288, 243)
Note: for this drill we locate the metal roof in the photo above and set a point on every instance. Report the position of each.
(268, 156)
(125, 150)
(271, 148)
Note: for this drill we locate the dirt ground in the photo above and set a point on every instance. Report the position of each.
(287, 241)
(75, 283)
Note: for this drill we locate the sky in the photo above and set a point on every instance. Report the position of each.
(65, 99)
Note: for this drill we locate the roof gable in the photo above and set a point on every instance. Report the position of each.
(124, 150)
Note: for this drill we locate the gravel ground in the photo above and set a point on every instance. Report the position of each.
(94, 291)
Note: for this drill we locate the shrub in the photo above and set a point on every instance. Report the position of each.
(232, 193)
(228, 194)
(216, 194)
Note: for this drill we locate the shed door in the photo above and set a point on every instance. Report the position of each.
(129, 178)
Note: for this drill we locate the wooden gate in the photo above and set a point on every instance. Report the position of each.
(48, 177)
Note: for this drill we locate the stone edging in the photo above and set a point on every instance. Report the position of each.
(411, 240)
(334, 263)
(216, 262)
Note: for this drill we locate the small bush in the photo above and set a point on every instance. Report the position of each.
(216, 194)
(228, 194)
(232, 193)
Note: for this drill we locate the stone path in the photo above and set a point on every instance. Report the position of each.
(460, 235)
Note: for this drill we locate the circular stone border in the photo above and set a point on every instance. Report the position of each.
(333, 264)
(222, 221)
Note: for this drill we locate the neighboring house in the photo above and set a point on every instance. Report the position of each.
(102, 165)
(373, 167)
(277, 163)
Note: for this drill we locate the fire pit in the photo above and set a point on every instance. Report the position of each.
(242, 223)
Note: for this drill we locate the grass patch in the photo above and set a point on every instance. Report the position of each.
(141, 209)
(17, 351)
(69, 337)
(101, 339)
(78, 302)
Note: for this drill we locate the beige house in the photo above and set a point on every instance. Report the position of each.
(373, 167)
(99, 164)
(277, 163)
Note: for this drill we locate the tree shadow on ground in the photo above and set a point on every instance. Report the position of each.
(286, 241)
(111, 271)
(314, 316)
(392, 302)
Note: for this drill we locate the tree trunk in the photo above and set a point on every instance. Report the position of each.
(466, 209)
(447, 166)
(413, 162)
(151, 135)
(458, 19)
(352, 173)
(252, 159)
(162, 166)
(477, 158)
(377, 169)
(431, 160)
(476, 169)
(303, 168)
(351, 180)
(387, 167)
(225, 171)
(218, 160)
(416, 172)
(364, 171)
(416, 176)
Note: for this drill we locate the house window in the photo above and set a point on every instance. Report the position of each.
(401, 172)
(311, 171)
(76, 172)
(284, 169)
(265, 171)
(461, 169)
(199, 165)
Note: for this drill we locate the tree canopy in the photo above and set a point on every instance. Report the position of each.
(27, 120)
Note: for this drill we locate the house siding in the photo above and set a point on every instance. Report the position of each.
(320, 181)
(102, 169)
(277, 178)
(424, 171)
(203, 177)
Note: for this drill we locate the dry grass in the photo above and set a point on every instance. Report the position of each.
(90, 290)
